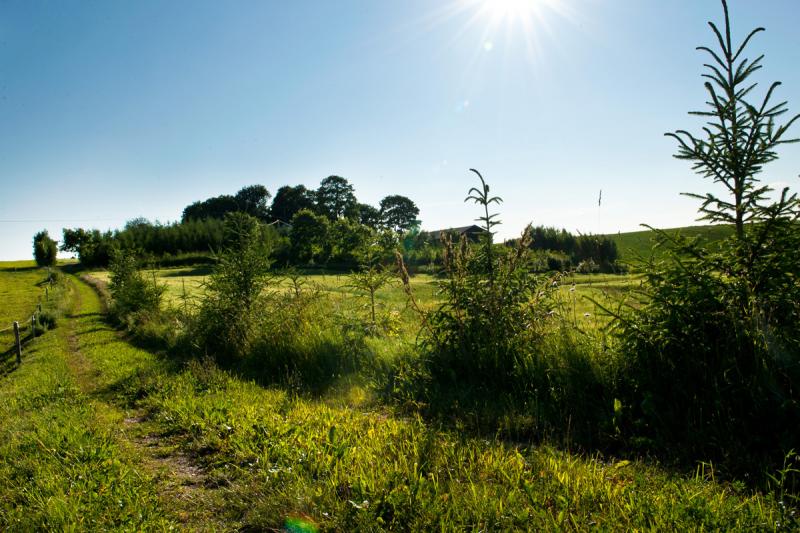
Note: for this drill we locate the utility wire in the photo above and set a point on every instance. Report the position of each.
(61, 220)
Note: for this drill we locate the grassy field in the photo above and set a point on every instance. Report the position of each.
(97, 434)
(21, 287)
(185, 284)
(636, 244)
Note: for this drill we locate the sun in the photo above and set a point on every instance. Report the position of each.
(510, 9)
(505, 26)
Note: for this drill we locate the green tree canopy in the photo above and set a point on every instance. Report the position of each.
(308, 236)
(369, 216)
(335, 197)
(289, 200)
(399, 213)
(216, 207)
(254, 200)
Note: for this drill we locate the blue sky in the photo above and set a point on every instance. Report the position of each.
(115, 110)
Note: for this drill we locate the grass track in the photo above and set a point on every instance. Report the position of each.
(65, 464)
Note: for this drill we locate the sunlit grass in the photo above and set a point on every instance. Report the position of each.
(269, 458)
(352, 464)
(62, 466)
(185, 286)
(21, 290)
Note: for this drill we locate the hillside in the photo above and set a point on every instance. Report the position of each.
(637, 244)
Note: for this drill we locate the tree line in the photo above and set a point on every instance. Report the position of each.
(325, 227)
(335, 199)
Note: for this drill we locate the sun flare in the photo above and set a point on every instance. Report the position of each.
(505, 26)
(510, 9)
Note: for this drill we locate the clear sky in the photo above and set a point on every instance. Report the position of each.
(111, 110)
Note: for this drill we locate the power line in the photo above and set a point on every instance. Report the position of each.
(43, 220)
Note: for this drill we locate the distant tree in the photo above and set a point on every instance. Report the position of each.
(369, 216)
(44, 249)
(93, 247)
(308, 236)
(289, 200)
(73, 239)
(254, 200)
(399, 213)
(216, 207)
(335, 197)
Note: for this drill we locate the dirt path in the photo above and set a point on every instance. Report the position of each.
(182, 485)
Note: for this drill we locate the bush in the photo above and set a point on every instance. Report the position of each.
(233, 306)
(133, 297)
(494, 310)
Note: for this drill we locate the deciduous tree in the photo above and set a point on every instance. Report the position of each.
(335, 197)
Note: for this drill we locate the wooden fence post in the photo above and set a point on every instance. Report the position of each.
(33, 326)
(19, 345)
(46, 293)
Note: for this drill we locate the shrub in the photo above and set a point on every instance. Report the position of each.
(367, 281)
(233, 304)
(494, 309)
(133, 297)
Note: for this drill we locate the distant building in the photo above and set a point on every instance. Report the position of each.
(281, 226)
(472, 233)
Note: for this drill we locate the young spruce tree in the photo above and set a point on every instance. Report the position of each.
(714, 349)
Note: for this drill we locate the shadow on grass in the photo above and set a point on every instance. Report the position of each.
(201, 270)
(8, 358)
(19, 269)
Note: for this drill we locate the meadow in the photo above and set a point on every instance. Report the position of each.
(185, 285)
(106, 435)
(21, 290)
